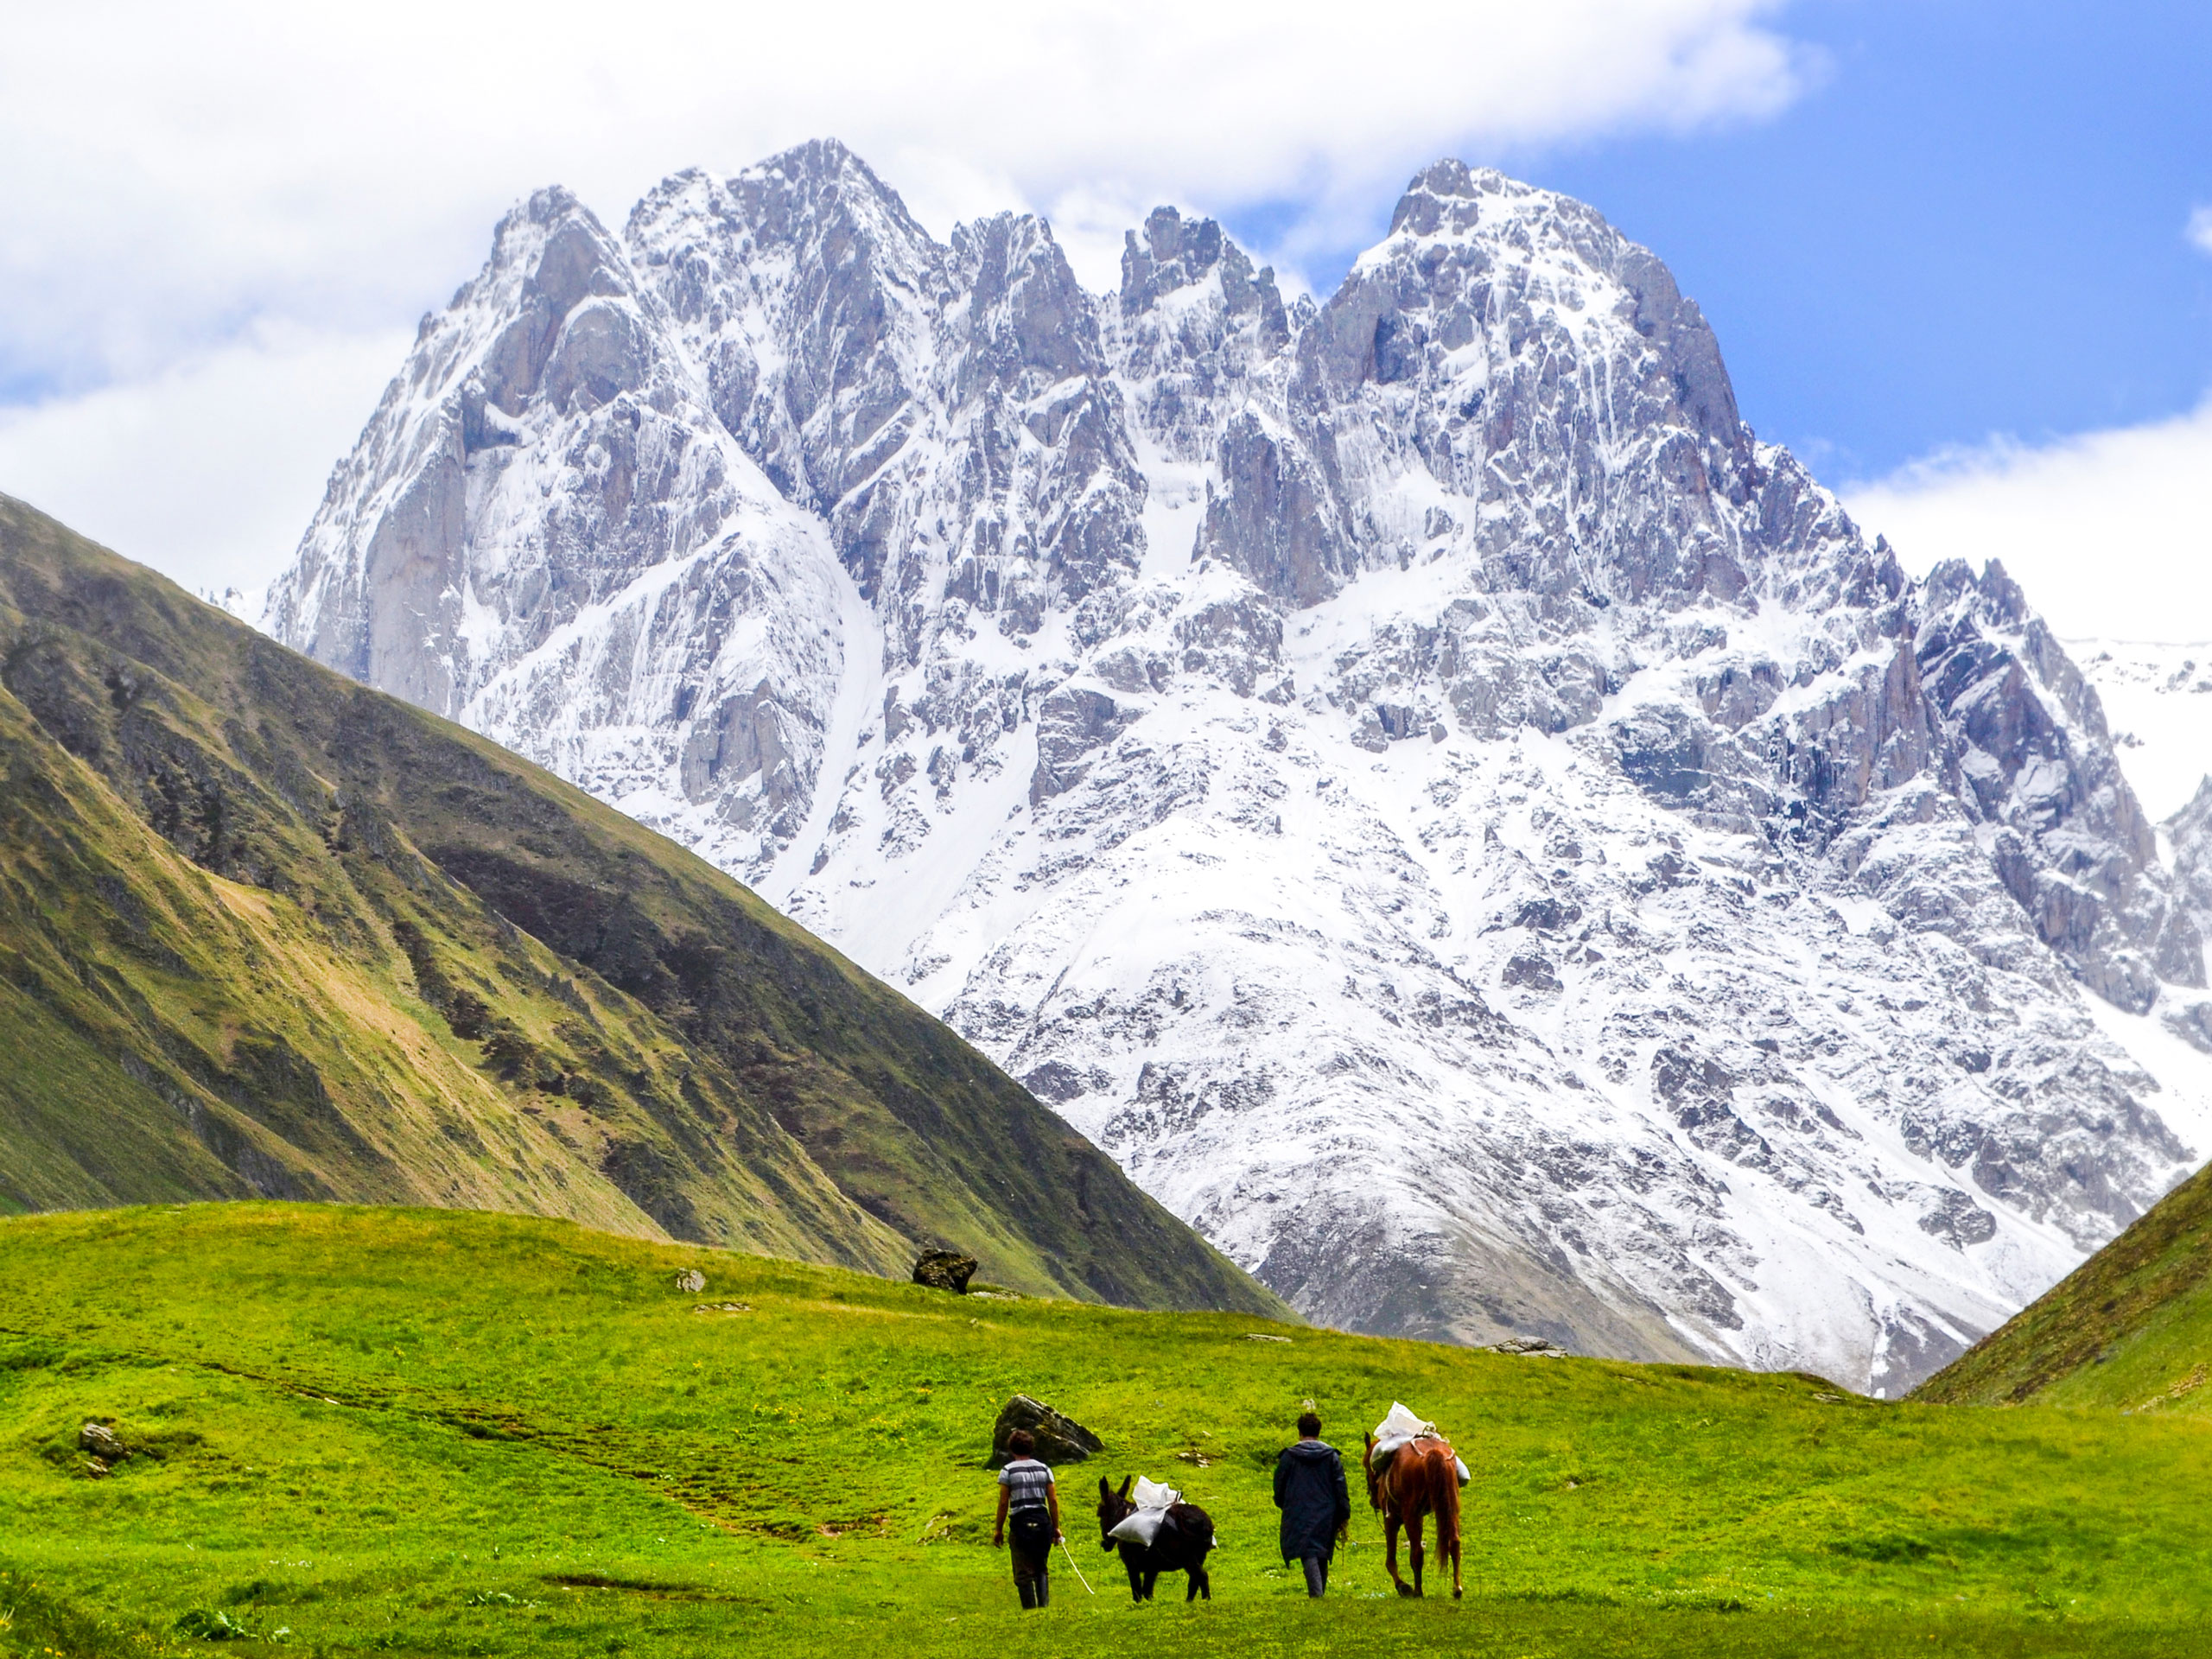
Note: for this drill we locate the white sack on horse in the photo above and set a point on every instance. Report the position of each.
(1401, 1427)
(1152, 1499)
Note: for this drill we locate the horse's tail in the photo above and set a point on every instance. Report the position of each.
(1444, 1500)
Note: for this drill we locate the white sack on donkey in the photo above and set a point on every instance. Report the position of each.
(1152, 1500)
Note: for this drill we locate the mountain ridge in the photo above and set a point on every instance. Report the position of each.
(269, 931)
(1466, 823)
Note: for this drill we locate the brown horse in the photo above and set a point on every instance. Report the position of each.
(1422, 1478)
(1181, 1545)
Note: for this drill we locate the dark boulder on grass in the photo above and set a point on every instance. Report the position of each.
(945, 1270)
(1060, 1439)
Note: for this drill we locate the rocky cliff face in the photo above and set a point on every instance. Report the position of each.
(1460, 819)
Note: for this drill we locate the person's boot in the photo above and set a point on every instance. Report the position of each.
(1044, 1589)
(1317, 1576)
(1028, 1594)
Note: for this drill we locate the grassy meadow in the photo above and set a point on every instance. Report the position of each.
(440, 1432)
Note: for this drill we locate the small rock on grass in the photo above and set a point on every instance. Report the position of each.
(102, 1442)
(691, 1280)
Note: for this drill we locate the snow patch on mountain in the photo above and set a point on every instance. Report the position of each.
(2158, 700)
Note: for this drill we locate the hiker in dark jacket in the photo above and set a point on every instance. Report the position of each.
(1316, 1508)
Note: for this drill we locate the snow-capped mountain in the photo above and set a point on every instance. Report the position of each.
(1467, 825)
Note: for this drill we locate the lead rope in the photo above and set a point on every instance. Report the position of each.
(1079, 1578)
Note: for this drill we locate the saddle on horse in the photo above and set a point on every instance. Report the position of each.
(1401, 1427)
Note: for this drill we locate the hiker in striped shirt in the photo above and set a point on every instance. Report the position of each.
(1029, 1498)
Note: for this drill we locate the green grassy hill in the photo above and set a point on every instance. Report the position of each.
(265, 931)
(2131, 1328)
(441, 1433)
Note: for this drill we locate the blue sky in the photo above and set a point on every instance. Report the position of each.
(1976, 226)
(1942, 241)
(1970, 223)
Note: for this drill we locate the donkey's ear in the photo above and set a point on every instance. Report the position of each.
(1105, 1489)
(1126, 1481)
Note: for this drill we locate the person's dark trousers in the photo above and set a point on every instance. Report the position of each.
(1032, 1582)
(1317, 1576)
(1033, 1556)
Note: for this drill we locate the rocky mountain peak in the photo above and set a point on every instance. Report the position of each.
(1028, 322)
(574, 330)
(1459, 233)
(2036, 764)
(1444, 198)
(1178, 254)
(821, 188)
(575, 258)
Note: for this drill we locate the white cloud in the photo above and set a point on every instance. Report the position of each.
(210, 469)
(2200, 229)
(2110, 532)
(216, 161)
(210, 210)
